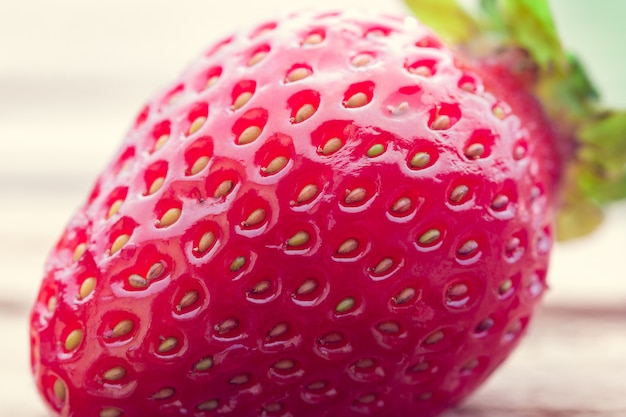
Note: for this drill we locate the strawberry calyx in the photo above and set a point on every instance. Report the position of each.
(520, 37)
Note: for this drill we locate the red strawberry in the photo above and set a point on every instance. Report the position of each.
(331, 214)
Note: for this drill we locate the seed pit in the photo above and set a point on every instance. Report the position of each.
(207, 79)
(155, 177)
(444, 116)
(242, 93)
(363, 59)
(196, 117)
(250, 126)
(298, 72)
(258, 55)
(358, 95)
(314, 38)
(480, 144)
(423, 68)
(198, 155)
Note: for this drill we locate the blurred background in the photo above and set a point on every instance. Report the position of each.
(73, 74)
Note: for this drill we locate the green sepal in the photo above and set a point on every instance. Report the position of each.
(446, 17)
(602, 157)
(529, 24)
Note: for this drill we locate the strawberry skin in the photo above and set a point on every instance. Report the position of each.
(331, 214)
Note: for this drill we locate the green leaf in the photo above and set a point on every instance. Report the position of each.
(447, 18)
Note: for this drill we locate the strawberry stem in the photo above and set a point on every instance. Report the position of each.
(594, 136)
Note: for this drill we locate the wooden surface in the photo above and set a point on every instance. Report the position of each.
(71, 78)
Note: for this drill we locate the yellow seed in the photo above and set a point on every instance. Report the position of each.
(298, 74)
(119, 241)
(383, 266)
(364, 363)
(276, 165)
(272, 407)
(250, 134)
(284, 364)
(367, 398)
(199, 165)
(169, 218)
(137, 281)
(255, 218)
(163, 393)
(332, 337)
(167, 344)
(499, 112)
(155, 271)
(307, 193)
(345, 305)
(52, 303)
(348, 246)
(421, 70)
(430, 236)
(441, 122)
(156, 185)
(304, 113)
(278, 330)
(355, 196)
(206, 241)
(122, 328)
(475, 151)
(189, 299)
(434, 338)
(196, 125)
(468, 247)
(405, 296)
(356, 100)
(261, 287)
(376, 150)
(161, 141)
(78, 252)
(317, 385)
(204, 364)
(224, 188)
(209, 405)
(459, 193)
(60, 391)
(211, 81)
(402, 205)
(456, 291)
(307, 287)
(256, 58)
(499, 202)
(419, 367)
(241, 100)
(240, 379)
(72, 341)
(420, 160)
(331, 146)
(114, 374)
(110, 412)
(299, 239)
(313, 39)
(505, 286)
(115, 207)
(361, 60)
(227, 326)
(87, 287)
(238, 263)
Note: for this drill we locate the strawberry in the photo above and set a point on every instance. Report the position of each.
(330, 214)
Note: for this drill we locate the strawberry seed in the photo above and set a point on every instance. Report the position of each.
(204, 364)
(307, 193)
(73, 339)
(241, 100)
(199, 165)
(196, 125)
(331, 146)
(87, 287)
(169, 217)
(114, 374)
(167, 345)
(209, 405)
(249, 135)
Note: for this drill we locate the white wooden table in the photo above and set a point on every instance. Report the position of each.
(72, 74)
